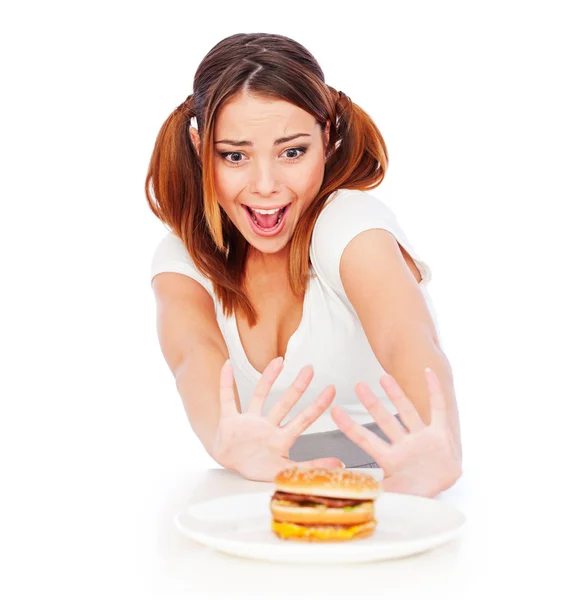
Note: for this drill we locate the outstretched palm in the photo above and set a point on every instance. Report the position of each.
(421, 459)
(256, 445)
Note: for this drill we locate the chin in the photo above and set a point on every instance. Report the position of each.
(270, 246)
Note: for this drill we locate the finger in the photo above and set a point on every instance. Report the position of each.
(263, 387)
(361, 436)
(438, 404)
(282, 407)
(227, 398)
(394, 485)
(307, 417)
(319, 463)
(322, 463)
(381, 415)
(399, 484)
(407, 411)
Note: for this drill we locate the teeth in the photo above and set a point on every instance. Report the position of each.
(266, 212)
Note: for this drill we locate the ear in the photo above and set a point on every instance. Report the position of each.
(195, 138)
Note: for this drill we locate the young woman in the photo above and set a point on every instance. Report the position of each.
(276, 249)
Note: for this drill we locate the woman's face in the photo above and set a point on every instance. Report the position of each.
(257, 166)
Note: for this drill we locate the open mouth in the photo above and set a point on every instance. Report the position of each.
(267, 221)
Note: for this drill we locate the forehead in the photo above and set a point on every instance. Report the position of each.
(248, 115)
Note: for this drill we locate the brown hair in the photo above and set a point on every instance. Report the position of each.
(180, 185)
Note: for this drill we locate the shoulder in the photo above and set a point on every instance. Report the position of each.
(171, 256)
(342, 202)
(348, 213)
(168, 250)
(169, 243)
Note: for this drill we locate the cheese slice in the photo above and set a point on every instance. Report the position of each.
(320, 532)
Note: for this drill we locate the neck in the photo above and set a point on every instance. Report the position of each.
(267, 263)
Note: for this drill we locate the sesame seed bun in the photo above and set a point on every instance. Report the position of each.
(304, 515)
(312, 533)
(332, 483)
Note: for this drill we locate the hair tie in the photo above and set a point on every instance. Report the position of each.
(187, 107)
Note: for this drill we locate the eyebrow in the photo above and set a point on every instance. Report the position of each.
(275, 143)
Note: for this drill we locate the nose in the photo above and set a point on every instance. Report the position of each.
(264, 180)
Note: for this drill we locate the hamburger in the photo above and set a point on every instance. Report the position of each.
(323, 505)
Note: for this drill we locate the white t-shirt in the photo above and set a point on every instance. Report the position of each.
(330, 336)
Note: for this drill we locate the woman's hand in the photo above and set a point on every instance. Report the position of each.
(256, 445)
(421, 460)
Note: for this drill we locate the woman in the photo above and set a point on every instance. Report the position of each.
(276, 249)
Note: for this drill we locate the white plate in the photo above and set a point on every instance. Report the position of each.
(241, 525)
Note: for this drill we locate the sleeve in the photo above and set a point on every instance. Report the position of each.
(171, 256)
(346, 215)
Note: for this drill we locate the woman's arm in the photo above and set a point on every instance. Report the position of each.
(194, 349)
(253, 443)
(197, 383)
(393, 312)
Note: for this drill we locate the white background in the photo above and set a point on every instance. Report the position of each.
(94, 441)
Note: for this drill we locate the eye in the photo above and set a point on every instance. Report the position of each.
(238, 157)
(301, 149)
(225, 156)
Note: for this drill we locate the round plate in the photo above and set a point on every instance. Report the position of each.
(241, 525)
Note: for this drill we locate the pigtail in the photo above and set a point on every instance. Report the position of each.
(357, 157)
(173, 185)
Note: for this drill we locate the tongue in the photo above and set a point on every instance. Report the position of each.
(267, 221)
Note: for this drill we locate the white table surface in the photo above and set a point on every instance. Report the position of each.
(94, 518)
(188, 567)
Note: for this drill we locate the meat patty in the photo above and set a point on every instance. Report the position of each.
(306, 500)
